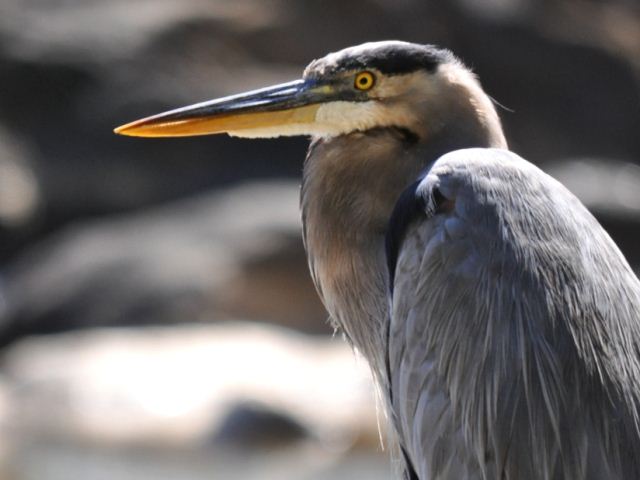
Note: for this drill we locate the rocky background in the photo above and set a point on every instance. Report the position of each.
(156, 316)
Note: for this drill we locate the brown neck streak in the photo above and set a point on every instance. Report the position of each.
(348, 194)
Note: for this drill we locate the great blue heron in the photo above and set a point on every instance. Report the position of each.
(499, 319)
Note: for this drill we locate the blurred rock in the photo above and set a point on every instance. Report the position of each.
(611, 191)
(607, 187)
(256, 426)
(235, 253)
(19, 190)
(182, 386)
(42, 460)
(66, 30)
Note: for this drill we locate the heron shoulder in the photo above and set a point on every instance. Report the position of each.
(501, 302)
(494, 196)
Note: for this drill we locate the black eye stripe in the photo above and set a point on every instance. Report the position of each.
(393, 59)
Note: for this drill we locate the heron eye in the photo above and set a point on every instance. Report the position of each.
(364, 80)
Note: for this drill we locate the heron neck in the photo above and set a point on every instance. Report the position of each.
(348, 193)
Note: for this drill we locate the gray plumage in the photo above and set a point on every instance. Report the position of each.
(500, 321)
(514, 332)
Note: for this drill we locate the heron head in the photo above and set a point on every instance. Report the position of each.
(418, 88)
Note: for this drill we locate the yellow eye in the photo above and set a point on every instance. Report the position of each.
(364, 81)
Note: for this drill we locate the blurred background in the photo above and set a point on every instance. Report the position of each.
(157, 320)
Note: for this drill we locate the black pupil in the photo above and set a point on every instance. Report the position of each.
(363, 81)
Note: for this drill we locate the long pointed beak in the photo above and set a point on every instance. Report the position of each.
(286, 109)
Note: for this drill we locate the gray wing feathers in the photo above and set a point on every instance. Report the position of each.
(515, 332)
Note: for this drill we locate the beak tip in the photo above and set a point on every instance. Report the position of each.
(275, 107)
(127, 130)
(122, 129)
